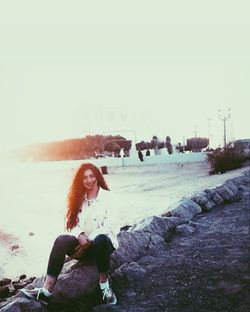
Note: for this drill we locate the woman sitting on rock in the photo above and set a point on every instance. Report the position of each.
(90, 219)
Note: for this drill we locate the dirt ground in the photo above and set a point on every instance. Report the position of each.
(204, 271)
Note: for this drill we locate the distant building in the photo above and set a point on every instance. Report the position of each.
(245, 143)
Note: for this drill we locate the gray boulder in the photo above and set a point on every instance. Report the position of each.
(247, 173)
(156, 225)
(76, 280)
(22, 305)
(208, 199)
(184, 229)
(241, 180)
(217, 199)
(130, 272)
(201, 198)
(232, 186)
(186, 210)
(209, 205)
(244, 187)
(225, 192)
(172, 222)
(132, 245)
(74, 283)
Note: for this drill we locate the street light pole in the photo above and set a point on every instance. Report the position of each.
(226, 115)
(195, 131)
(208, 130)
(183, 143)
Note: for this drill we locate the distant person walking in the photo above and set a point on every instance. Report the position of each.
(140, 155)
(91, 220)
(122, 154)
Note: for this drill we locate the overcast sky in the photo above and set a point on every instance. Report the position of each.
(72, 68)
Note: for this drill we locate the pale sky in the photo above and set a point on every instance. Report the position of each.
(72, 68)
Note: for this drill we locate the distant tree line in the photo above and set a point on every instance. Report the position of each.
(193, 144)
(82, 148)
(100, 146)
(155, 144)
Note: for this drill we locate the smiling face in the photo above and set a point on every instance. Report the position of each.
(89, 179)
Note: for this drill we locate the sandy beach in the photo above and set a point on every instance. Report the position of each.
(34, 204)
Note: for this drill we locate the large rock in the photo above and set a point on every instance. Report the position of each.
(247, 173)
(241, 180)
(76, 280)
(217, 199)
(185, 229)
(209, 205)
(156, 225)
(201, 198)
(186, 210)
(133, 245)
(225, 192)
(208, 199)
(232, 186)
(129, 271)
(22, 305)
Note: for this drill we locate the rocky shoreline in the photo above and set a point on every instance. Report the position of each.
(140, 245)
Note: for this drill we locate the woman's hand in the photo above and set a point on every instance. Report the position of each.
(84, 244)
(83, 239)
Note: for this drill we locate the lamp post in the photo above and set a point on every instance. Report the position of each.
(224, 116)
(195, 131)
(208, 130)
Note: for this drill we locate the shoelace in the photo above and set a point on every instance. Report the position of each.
(39, 290)
(107, 292)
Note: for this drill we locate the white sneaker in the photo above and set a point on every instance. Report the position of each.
(37, 294)
(108, 296)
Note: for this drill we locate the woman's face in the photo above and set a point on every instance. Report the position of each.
(89, 179)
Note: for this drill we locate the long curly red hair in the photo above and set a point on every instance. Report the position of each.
(77, 191)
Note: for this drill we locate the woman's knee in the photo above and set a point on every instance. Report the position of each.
(102, 239)
(65, 240)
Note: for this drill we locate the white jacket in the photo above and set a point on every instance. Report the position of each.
(99, 217)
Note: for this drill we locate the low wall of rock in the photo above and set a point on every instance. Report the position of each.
(78, 281)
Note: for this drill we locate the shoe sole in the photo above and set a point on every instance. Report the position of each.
(112, 303)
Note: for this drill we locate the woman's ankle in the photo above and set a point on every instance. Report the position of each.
(49, 283)
(103, 277)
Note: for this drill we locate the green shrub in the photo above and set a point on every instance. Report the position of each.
(223, 160)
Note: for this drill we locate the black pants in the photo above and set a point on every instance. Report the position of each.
(99, 253)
